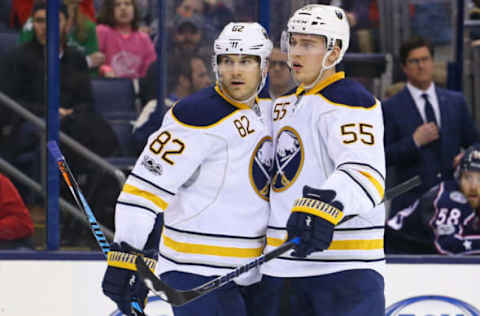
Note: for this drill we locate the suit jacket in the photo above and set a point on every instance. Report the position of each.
(401, 119)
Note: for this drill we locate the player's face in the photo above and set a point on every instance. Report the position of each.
(419, 67)
(306, 54)
(470, 186)
(240, 75)
(123, 12)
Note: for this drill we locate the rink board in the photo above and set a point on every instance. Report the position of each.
(52, 284)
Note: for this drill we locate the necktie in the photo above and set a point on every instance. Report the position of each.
(430, 115)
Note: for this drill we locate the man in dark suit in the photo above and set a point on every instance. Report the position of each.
(425, 126)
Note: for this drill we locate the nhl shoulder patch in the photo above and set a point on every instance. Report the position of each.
(458, 197)
(151, 165)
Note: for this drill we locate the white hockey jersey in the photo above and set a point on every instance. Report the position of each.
(208, 169)
(330, 137)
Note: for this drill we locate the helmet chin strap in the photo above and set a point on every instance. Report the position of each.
(320, 74)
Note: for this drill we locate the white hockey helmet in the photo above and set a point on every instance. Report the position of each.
(246, 39)
(325, 20)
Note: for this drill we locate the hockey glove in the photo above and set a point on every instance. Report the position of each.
(120, 282)
(313, 219)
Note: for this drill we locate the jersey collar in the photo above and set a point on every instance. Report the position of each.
(321, 85)
(236, 104)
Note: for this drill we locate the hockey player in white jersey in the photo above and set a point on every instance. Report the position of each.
(329, 165)
(208, 171)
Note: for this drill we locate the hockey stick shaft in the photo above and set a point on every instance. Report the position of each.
(83, 204)
(181, 297)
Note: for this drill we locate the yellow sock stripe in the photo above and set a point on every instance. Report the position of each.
(376, 184)
(128, 188)
(351, 244)
(212, 250)
(124, 260)
(318, 208)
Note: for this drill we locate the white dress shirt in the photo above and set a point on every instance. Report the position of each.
(420, 101)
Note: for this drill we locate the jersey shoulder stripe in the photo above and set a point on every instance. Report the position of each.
(349, 93)
(360, 185)
(202, 109)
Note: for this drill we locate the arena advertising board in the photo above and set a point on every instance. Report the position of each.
(49, 288)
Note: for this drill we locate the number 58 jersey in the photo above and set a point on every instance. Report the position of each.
(330, 138)
(208, 168)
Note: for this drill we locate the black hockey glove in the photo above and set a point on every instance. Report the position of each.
(313, 219)
(120, 282)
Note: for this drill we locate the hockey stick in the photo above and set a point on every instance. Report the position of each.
(83, 205)
(181, 297)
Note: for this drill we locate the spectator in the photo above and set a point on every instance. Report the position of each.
(217, 15)
(281, 80)
(25, 69)
(82, 35)
(189, 8)
(187, 36)
(186, 75)
(362, 16)
(446, 219)
(128, 52)
(16, 225)
(22, 10)
(362, 28)
(148, 16)
(425, 126)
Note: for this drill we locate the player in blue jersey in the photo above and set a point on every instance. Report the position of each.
(446, 219)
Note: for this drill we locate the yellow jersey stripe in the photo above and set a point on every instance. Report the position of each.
(371, 244)
(212, 250)
(130, 189)
(376, 184)
(356, 244)
(275, 242)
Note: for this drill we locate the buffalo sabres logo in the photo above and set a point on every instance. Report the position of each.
(339, 14)
(261, 166)
(288, 159)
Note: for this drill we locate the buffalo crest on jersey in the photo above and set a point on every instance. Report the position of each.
(288, 159)
(261, 166)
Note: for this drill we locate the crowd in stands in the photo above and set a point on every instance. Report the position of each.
(426, 126)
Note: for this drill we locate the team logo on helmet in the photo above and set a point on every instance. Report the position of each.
(288, 159)
(339, 14)
(261, 166)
